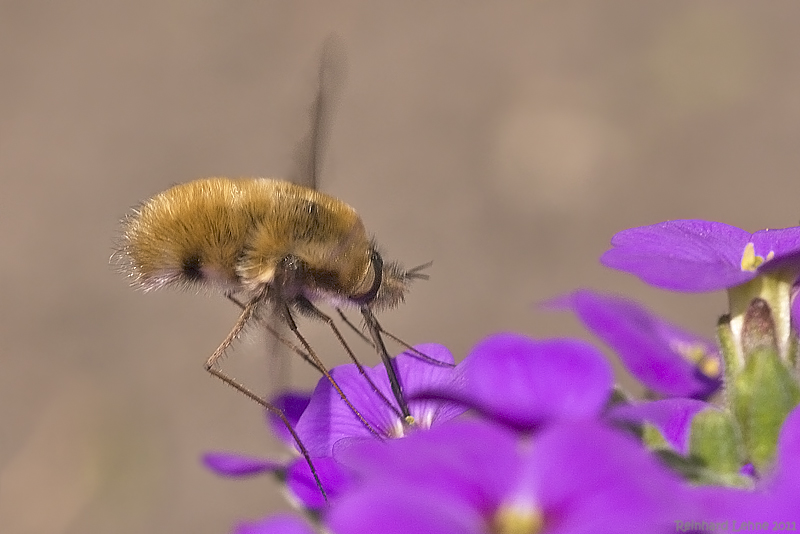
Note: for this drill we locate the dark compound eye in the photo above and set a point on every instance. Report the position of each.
(192, 268)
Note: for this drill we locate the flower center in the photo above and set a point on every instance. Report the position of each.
(751, 262)
(401, 427)
(517, 519)
(398, 429)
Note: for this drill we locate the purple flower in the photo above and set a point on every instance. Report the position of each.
(238, 465)
(327, 419)
(324, 419)
(474, 477)
(525, 383)
(296, 472)
(698, 256)
(664, 357)
(277, 524)
(335, 479)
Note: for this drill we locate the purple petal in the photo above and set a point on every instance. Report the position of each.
(533, 382)
(277, 524)
(788, 263)
(469, 460)
(672, 417)
(652, 349)
(596, 480)
(335, 480)
(293, 404)
(417, 375)
(683, 255)
(399, 508)
(581, 477)
(786, 475)
(328, 419)
(783, 245)
(780, 242)
(748, 470)
(237, 465)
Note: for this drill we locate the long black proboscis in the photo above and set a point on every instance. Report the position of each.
(397, 388)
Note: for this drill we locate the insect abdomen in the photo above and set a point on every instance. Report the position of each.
(191, 234)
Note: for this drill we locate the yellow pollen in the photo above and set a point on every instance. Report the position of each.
(516, 519)
(711, 367)
(401, 427)
(751, 262)
(696, 353)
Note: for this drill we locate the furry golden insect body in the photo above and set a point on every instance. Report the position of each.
(255, 236)
(265, 242)
(276, 247)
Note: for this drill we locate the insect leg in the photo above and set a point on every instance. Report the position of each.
(350, 324)
(294, 348)
(212, 367)
(421, 355)
(287, 315)
(309, 307)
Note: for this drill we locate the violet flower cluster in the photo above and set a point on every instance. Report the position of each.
(528, 436)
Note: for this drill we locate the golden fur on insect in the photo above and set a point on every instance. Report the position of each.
(232, 235)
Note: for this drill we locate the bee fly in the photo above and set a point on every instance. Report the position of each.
(270, 246)
(259, 241)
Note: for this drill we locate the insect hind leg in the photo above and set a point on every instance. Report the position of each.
(212, 366)
(287, 315)
(277, 335)
(308, 307)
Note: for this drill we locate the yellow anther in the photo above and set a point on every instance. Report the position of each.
(515, 519)
(710, 366)
(751, 262)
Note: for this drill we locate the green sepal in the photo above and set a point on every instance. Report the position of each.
(715, 441)
(652, 438)
(761, 397)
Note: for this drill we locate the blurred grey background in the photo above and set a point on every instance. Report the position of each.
(507, 142)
